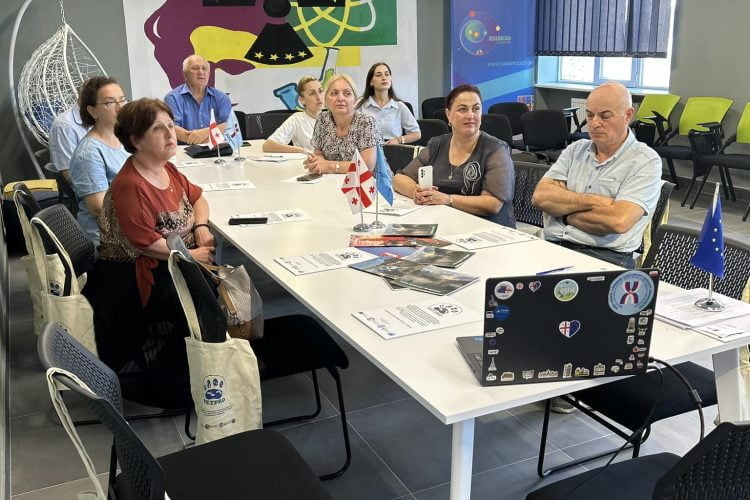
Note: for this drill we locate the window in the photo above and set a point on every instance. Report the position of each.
(630, 71)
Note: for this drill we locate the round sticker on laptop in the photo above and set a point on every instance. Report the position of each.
(504, 290)
(630, 293)
(566, 290)
(501, 312)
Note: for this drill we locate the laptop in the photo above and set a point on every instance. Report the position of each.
(563, 326)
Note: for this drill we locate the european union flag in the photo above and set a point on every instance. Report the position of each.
(385, 176)
(710, 253)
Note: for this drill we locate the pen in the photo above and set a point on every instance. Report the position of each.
(557, 270)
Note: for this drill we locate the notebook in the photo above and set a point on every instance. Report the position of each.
(563, 327)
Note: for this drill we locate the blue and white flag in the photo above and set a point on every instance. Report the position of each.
(384, 176)
(709, 255)
(232, 131)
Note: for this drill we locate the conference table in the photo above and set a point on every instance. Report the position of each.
(429, 365)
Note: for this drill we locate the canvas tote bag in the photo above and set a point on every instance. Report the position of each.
(224, 378)
(72, 310)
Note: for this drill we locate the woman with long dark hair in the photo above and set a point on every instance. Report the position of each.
(397, 123)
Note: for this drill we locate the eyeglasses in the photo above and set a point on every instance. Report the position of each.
(110, 103)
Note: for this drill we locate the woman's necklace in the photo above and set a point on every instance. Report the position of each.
(471, 150)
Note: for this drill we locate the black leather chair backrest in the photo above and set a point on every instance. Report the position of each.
(498, 126)
(262, 125)
(429, 106)
(513, 110)
(544, 129)
(431, 128)
(398, 155)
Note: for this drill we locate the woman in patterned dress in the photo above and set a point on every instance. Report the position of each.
(138, 321)
(341, 130)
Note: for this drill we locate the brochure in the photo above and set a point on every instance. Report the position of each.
(416, 230)
(423, 316)
(492, 238)
(394, 241)
(429, 279)
(440, 257)
(322, 261)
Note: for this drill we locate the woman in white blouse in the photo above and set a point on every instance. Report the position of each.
(298, 128)
(396, 122)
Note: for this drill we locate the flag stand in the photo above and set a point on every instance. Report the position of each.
(219, 160)
(711, 247)
(710, 303)
(238, 156)
(361, 227)
(376, 224)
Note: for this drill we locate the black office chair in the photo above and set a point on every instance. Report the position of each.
(71, 235)
(255, 464)
(498, 126)
(429, 129)
(285, 111)
(290, 345)
(65, 193)
(514, 111)
(408, 105)
(725, 160)
(628, 402)
(528, 176)
(430, 105)
(399, 155)
(440, 114)
(697, 114)
(262, 125)
(716, 467)
(545, 131)
(658, 214)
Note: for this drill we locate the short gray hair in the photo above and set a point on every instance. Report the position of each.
(186, 62)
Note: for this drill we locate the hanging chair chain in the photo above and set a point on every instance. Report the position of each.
(62, 12)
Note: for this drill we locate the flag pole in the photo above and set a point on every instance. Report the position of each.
(219, 160)
(377, 224)
(361, 227)
(710, 303)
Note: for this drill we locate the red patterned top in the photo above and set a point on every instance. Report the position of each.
(135, 214)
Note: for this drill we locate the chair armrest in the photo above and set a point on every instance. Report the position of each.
(710, 125)
(732, 139)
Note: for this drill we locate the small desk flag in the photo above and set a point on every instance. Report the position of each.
(358, 186)
(232, 132)
(384, 176)
(215, 137)
(709, 255)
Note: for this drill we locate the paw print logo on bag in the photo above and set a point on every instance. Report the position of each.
(213, 390)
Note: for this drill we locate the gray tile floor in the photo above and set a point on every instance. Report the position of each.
(400, 451)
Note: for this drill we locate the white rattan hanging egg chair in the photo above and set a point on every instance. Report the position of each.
(50, 80)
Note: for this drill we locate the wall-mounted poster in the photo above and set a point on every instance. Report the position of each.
(492, 44)
(259, 49)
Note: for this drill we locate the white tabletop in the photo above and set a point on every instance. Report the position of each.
(428, 365)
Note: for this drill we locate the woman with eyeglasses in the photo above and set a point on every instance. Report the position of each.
(397, 123)
(139, 324)
(99, 156)
(341, 130)
(298, 128)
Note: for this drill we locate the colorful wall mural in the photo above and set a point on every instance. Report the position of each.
(258, 49)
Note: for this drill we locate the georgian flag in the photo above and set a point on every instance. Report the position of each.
(358, 186)
(215, 137)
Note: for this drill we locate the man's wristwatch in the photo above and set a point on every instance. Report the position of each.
(450, 200)
(401, 140)
(338, 166)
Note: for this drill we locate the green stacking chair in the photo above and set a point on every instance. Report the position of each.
(725, 160)
(701, 114)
